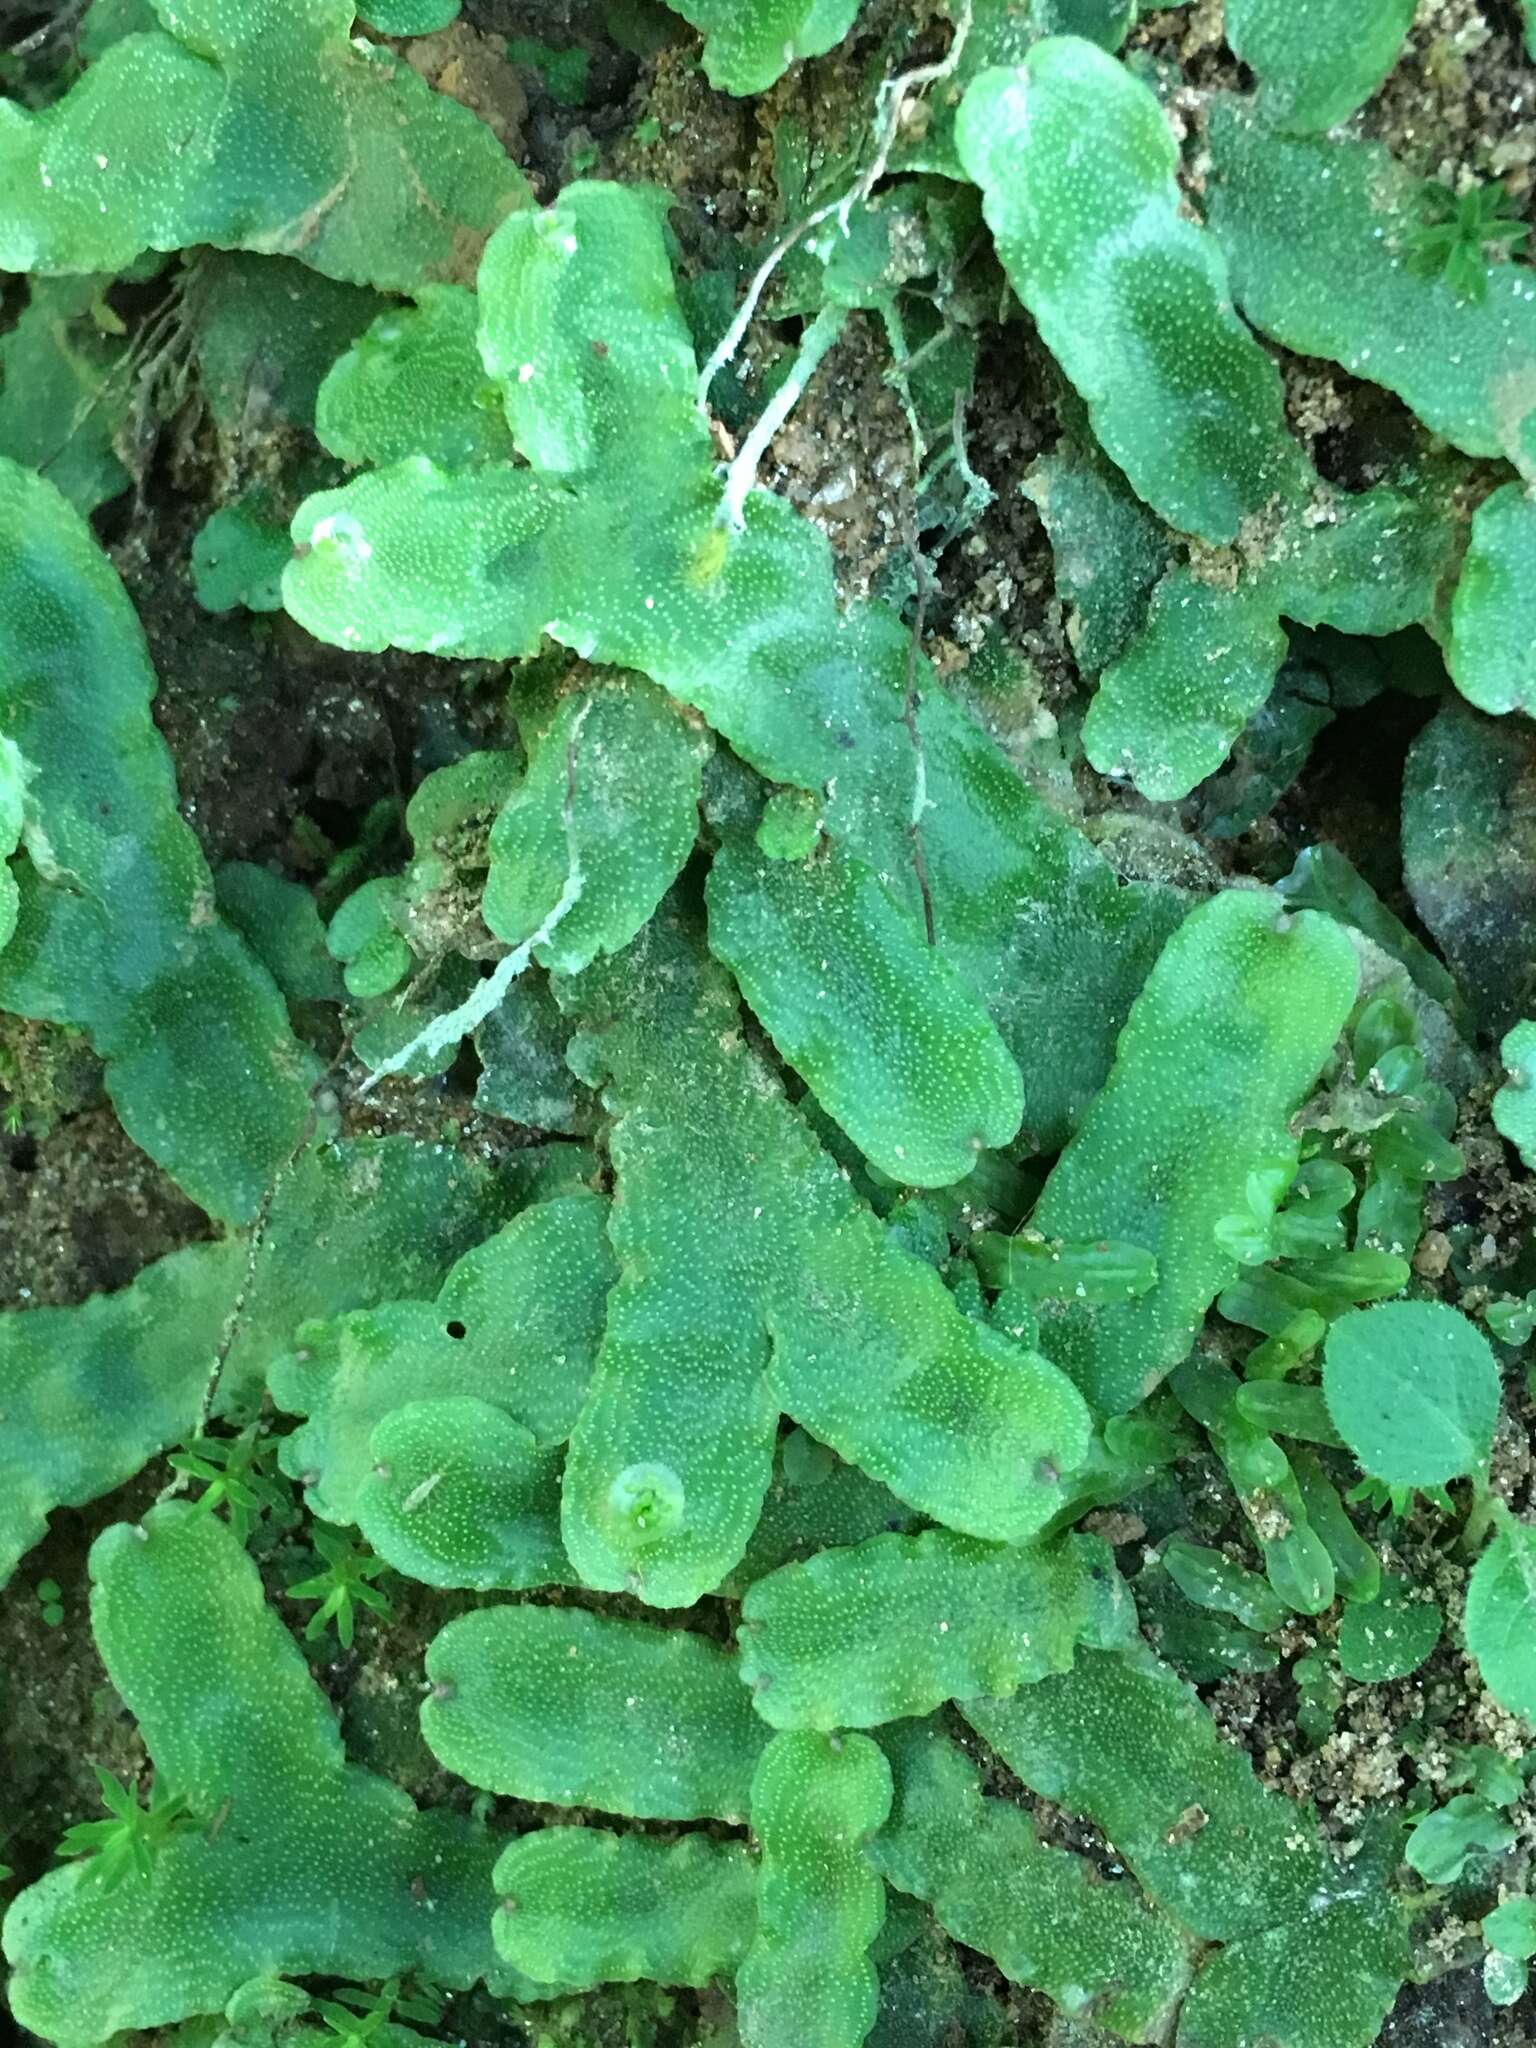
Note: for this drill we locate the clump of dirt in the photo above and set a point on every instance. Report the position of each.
(271, 729)
(58, 1714)
(574, 131)
(1461, 102)
(472, 68)
(845, 457)
(1451, 2012)
(1350, 794)
(701, 145)
(999, 580)
(1188, 45)
(1491, 1208)
(82, 1211)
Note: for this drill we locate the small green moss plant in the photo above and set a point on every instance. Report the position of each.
(1457, 232)
(132, 1836)
(342, 1586)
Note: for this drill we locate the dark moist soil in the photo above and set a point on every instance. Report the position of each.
(82, 1211)
(283, 745)
(58, 1714)
(273, 731)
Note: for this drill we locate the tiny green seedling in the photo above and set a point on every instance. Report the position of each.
(236, 1477)
(1512, 1320)
(358, 2017)
(127, 1843)
(1414, 1390)
(342, 1587)
(1458, 232)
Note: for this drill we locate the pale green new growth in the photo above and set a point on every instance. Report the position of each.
(239, 1730)
(1492, 650)
(580, 327)
(414, 383)
(517, 1324)
(749, 44)
(897, 1625)
(580, 1906)
(880, 1027)
(292, 139)
(613, 787)
(1413, 1387)
(422, 557)
(807, 1977)
(364, 935)
(754, 1280)
(1295, 216)
(117, 931)
(1076, 163)
(459, 1494)
(1297, 1561)
(1228, 1034)
(1514, 1105)
(578, 1709)
(1047, 1918)
(1316, 61)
